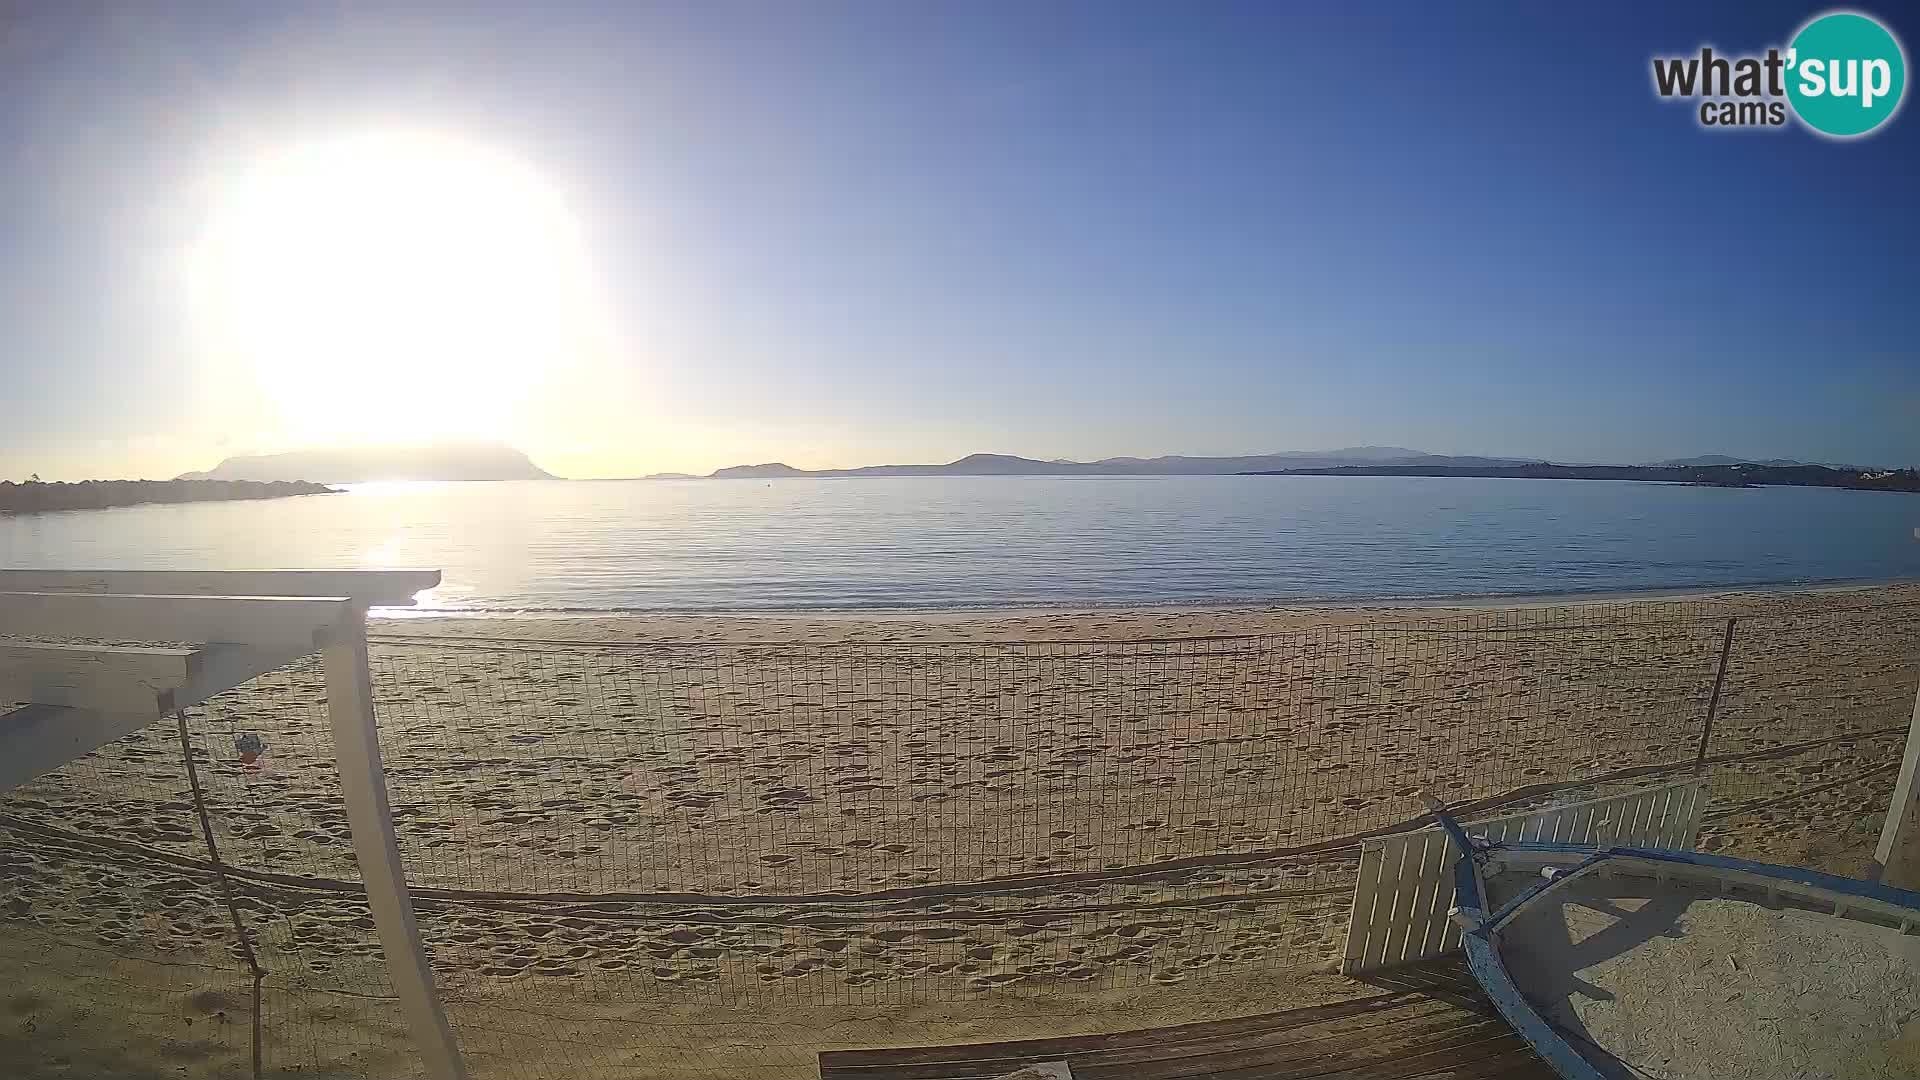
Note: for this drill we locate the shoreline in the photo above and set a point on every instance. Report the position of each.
(1120, 625)
(1432, 602)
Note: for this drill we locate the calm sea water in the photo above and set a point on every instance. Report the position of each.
(928, 542)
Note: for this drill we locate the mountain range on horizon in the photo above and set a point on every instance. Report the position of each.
(1723, 459)
(1167, 465)
(1187, 465)
(493, 461)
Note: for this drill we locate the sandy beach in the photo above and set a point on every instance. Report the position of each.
(711, 846)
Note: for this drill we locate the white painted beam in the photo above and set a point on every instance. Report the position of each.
(108, 678)
(218, 668)
(369, 588)
(1898, 852)
(40, 738)
(247, 620)
(75, 710)
(363, 782)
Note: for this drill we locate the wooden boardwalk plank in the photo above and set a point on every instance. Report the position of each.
(1308, 1040)
(1400, 1060)
(1506, 1055)
(1040, 1049)
(1426, 1028)
(1315, 1043)
(1317, 1058)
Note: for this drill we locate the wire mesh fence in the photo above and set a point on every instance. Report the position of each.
(1806, 741)
(676, 859)
(135, 959)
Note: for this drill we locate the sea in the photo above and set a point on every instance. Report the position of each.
(965, 542)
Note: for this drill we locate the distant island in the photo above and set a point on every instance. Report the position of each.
(1174, 465)
(1724, 459)
(1353, 461)
(1742, 475)
(358, 465)
(36, 496)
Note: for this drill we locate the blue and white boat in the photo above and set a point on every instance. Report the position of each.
(1630, 962)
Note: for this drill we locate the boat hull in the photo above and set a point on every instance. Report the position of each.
(1636, 904)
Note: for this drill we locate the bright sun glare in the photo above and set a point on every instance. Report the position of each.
(390, 286)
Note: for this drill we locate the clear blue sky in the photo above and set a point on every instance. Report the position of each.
(848, 233)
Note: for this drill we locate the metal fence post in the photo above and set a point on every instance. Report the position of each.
(356, 748)
(1898, 853)
(1713, 703)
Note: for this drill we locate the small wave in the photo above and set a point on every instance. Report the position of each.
(512, 611)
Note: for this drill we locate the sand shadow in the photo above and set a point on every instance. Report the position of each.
(1540, 951)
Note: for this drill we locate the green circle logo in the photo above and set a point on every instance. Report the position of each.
(1845, 74)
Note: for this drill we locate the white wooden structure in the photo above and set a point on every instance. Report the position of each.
(224, 628)
(1405, 887)
(1898, 852)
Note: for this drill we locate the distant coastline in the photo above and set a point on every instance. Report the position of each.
(1347, 461)
(1166, 465)
(1734, 476)
(494, 461)
(38, 497)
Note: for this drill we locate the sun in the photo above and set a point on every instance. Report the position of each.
(390, 286)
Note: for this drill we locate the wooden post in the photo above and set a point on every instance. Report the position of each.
(356, 747)
(1899, 851)
(1713, 703)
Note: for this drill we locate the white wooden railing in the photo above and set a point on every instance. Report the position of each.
(223, 628)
